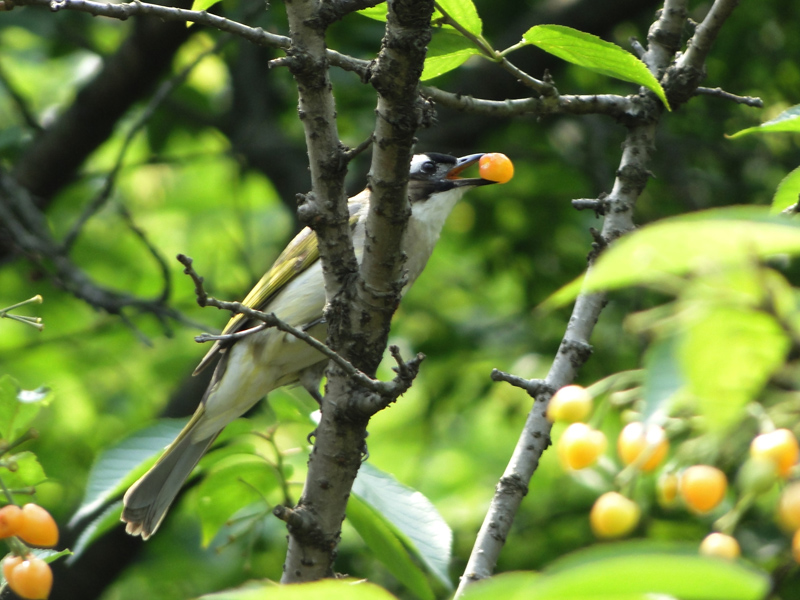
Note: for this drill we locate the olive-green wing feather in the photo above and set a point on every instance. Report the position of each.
(299, 255)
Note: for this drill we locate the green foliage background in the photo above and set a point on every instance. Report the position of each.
(504, 250)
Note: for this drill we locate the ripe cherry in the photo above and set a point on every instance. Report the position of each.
(496, 167)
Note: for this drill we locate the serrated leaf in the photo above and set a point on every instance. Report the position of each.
(788, 120)
(105, 522)
(606, 575)
(655, 253)
(326, 589)
(18, 407)
(118, 467)
(464, 13)
(235, 482)
(788, 192)
(728, 355)
(663, 378)
(387, 547)
(446, 52)
(590, 52)
(412, 515)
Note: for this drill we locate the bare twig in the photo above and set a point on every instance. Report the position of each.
(753, 101)
(255, 35)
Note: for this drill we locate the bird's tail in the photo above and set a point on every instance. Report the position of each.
(147, 500)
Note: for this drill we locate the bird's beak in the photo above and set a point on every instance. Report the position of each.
(461, 164)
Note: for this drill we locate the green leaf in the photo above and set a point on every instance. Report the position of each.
(446, 52)
(462, 12)
(663, 378)
(606, 575)
(787, 193)
(412, 515)
(235, 483)
(377, 13)
(28, 472)
(653, 255)
(18, 407)
(788, 120)
(387, 547)
(590, 52)
(105, 522)
(728, 354)
(204, 4)
(118, 467)
(326, 589)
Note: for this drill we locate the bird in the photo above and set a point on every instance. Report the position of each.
(293, 289)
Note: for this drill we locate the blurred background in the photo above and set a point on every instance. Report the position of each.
(213, 174)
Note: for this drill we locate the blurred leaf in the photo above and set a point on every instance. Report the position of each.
(414, 517)
(118, 467)
(387, 547)
(676, 246)
(234, 483)
(788, 120)
(327, 589)
(606, 575)
(662, 378)
(103, 523)
(446, 52)
(788, 192)
(28, 471)
(589, 51)
(18, 407)
(728, 355)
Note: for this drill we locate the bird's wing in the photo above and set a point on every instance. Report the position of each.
(299, 255)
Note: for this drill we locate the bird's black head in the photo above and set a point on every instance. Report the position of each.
(433, 172)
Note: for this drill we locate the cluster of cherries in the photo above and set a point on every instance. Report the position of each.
(28, 575)
(702, 488)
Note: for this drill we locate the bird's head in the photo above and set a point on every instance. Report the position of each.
(433, 173)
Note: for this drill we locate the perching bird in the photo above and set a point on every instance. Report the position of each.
(293, 289)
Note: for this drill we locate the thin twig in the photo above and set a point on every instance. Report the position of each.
(753, 101)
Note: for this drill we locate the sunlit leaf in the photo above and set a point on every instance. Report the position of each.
(378, 13)
(200, 5)
(788, 120)
(326, 589)
(413, 516)
(118, 467)
(728, 355)
(387, 547)
(589, 51)
(446, 52)
(788, 192)
(464, 13)
(656, 253)
(27, 472)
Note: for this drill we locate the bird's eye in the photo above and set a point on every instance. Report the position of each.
(428, 167)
